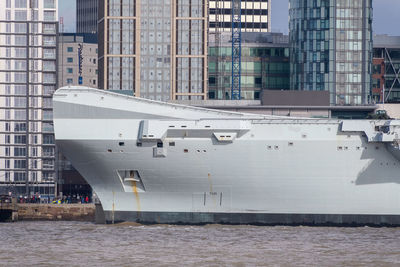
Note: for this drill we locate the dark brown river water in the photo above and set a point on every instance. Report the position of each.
(86, 244)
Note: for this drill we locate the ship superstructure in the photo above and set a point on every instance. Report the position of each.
(155, 162)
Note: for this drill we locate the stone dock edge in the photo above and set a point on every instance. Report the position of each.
(48, 212)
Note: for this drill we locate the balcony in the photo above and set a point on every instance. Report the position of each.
(49, 43)
(49, 55)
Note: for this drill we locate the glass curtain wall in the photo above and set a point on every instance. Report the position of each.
(261, 68)
(331, 46)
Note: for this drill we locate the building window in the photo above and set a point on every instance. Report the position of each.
(20, 139)
(94, 82)
(70, 70)
(19, 151)
(48, 89)
(20, 127)
(70, 80)
(49, 4)
(34, 3)
(20, 3)
(34, 174)
(48, 139)
(49, 15)
(19, 164)
(49, 28)
(48, 151)
(376, 69)
(70, 60)
(20, 15)
(70, 49)
(47, 176)
(211, 80)
(19, 176)
(48, 164)
(34, 152)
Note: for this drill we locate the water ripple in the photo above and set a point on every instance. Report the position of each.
(79, 244)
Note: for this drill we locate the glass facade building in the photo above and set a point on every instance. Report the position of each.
(156, 48)
(265, 65)
(331, 48)
(28, 78)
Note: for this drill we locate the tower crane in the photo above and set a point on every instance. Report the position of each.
(236, 48)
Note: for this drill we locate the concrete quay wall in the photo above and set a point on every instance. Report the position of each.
(56, 212)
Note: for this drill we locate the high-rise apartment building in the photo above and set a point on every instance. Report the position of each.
(157, 48)
(255, 15)
(28, 65)
(86, 16)
(331, 48)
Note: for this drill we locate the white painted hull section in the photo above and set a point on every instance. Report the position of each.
(273, 166)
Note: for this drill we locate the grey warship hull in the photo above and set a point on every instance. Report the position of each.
(153, 162)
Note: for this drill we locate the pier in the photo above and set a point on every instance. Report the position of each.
(8, 209)
(11, 211)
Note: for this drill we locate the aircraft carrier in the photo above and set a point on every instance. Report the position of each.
(154, 162)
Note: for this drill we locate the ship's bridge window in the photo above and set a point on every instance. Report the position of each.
(171, 143)
(160, 144)
(121, 143)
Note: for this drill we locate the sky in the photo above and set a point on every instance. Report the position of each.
(386, 15)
